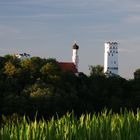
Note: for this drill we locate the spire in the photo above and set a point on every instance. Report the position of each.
(75, 58)
(75, 46)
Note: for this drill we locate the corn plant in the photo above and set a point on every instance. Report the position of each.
(103, 126)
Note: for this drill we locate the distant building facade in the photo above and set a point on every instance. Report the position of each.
(111, 58)
(23, 56)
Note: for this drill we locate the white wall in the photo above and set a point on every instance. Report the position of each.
(111, 58)
(75, 58)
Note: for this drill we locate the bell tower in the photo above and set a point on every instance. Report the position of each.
(111, 58)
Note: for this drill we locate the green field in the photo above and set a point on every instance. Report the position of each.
(102, 126)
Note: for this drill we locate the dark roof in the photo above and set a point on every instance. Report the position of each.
(67, 66)
(75, 46)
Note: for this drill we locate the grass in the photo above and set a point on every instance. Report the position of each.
(103, 126)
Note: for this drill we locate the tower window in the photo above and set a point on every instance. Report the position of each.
(112, 54)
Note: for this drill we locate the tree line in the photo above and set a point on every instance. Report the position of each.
(39, 85)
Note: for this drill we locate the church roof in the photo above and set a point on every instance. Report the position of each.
(68, 66)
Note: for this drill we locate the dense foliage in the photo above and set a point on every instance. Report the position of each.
(103, 126)
(39, 85)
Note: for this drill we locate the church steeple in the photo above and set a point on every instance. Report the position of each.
(75, 57)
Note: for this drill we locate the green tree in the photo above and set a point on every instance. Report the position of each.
(2, 62)
(137, 74)
(96, 70)
(39, 89)
(11, 78)
(50, 72)
(30, 70)
(10, 69)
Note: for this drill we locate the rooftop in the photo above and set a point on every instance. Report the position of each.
(75, 46)
(68, 66)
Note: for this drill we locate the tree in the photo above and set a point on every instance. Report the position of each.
(30, 70)
(38, 89)
(137, 74)
(96, 70)
(10, 69)
(50, 72)
(2, 61)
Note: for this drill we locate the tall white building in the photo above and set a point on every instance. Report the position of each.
(111, 58)
(75, 57)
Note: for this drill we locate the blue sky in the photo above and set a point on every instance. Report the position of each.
(48, 28)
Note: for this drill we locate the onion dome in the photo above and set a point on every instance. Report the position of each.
(75, 46)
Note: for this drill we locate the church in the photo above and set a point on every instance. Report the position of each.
(73, 65)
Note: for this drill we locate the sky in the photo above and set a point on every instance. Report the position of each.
(48, 29)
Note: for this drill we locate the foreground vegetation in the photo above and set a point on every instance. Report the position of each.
(103, 126)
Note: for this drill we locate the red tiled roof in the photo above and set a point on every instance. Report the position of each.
(68, 66)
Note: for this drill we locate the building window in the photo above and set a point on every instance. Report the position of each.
(114, 62)
(112, 54)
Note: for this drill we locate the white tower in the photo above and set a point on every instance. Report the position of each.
(111, 58)
(75, 58)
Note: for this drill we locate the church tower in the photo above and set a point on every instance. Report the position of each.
(75, 58)
(111, 58)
